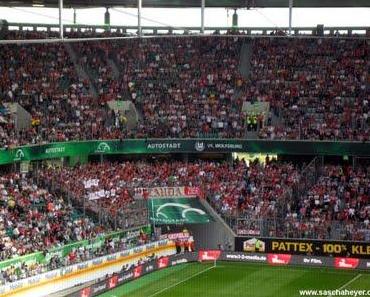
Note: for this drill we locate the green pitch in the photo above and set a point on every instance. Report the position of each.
(240, 280)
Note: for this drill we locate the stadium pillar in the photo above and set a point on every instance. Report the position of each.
(60, 19)
(235, 19)
(290, 16)
(107, 17)
(74, 16)
(202, 16)
(139, 2)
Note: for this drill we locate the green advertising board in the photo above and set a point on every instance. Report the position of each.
(177, 211)
(63, 251)
(162, 146)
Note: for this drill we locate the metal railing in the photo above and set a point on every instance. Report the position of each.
(165, 30)
(133, 215)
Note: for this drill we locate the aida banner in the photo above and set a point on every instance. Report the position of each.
(177, 211)
(167, 192)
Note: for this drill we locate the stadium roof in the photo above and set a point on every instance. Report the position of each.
(189, 3)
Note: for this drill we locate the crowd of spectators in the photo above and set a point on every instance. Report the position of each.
(342, 195)
(32, 219)
(42, 79)
(184, 86)
(234, 189)
(93, 56)
(180, 85)
(317, 87)
(266, 184)
(258, 192)
(189, 87)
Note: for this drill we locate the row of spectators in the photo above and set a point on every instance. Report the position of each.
(118, 181)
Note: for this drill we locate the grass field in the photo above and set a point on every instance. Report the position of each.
(240, 280)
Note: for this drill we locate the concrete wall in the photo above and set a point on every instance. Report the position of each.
(212, 234)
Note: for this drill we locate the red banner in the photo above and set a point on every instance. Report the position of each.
(112, 282)
(349, 263)
(138, 271)
(193, 192)
(163, 262)
(278, 259)
(86, 292)
(210, 255)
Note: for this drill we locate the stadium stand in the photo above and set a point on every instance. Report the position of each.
(233, 189)
(182, 87)
(32, 219)
(254, 191)
(317, 87)
(340, 195)
(191, 87)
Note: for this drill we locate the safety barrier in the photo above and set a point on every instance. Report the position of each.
(60, 279)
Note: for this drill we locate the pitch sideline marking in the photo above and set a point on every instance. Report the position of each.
(350, 281)
(176, 284)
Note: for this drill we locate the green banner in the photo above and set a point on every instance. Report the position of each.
(63, 251)
(155, 146)
(177, 211)
(28, 259)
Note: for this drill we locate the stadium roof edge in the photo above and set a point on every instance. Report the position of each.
(189, 3)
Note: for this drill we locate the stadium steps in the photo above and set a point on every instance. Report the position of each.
(23, 117)
(245, 58)
(245, 69)
(79, 70)
(114, 67)
(275, 120)
(128, 109)
(251, 134)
